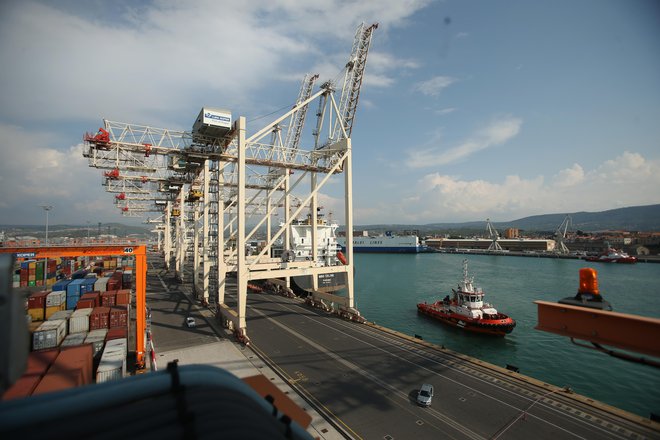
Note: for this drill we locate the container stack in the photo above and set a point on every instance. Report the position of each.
(55, 302)
(37, 306)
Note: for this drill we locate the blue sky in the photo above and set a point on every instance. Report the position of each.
(470, 109)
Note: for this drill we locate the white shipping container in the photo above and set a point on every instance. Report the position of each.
(56, 298)
(97, 339)
(74, 339)
(79, 321)
(101, 284)
(117, 344)
(113, 361)
(49, 334)
(212, 122)
(62, 314)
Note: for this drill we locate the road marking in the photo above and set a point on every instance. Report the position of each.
(351, 366)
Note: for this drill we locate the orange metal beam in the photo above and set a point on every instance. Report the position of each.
(629, 332)
(140, 254)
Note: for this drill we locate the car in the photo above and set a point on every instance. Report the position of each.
(190, 322)
(425, 395)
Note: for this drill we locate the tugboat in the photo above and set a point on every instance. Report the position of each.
(612, 255)
(466, 309)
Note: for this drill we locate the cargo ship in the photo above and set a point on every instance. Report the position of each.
(387, 243)
(467, 310)
(328, 251)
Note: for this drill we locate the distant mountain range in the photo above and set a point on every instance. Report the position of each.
(634, 218)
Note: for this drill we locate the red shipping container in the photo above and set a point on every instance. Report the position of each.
(94, 296)
(23, 283)
(113, 284)
(123, 297)
(77, 357)
(118, 316)
(38, 300)
(39, 282)
(100, 318)
(23, 387)
(24, 275)
(59, 380)
(85, 304)
(117, 333)
(108, 299)
(38, 362)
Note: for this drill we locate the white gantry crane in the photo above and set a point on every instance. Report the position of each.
(560, 236)
(494, 237)
(208, 183)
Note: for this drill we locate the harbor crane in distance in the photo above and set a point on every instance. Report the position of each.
(494, 237)
(560, 236)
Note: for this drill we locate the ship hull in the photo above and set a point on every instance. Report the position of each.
(496, 327)
(327, 283)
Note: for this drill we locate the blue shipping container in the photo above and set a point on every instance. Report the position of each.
(87, 285)
(60, 285)
(73, 288)
(71, 301)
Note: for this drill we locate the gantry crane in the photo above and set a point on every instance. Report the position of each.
(235, 170)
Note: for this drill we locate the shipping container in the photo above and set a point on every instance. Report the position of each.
(23, 387)
(61, 285)
(36, 314)
(101, 284)
(87, 285)
(123, 297)
(37, 300)
(73, 339)
(52, 310)
(49, 334)
(58, 380)
(100, 318)
(118, 316)
(64, 314)
(73, 293)
(79, 321)
(85, 304)
(113, 361)
(108, 299)
(94, 296)
(73, 357)
(38, 362)
(117, 333)
(56, 298)
(127, 279)
(97, 339)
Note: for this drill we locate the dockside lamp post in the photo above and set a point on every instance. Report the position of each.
(46, 208)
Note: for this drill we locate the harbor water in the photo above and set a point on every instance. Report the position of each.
(389, 286)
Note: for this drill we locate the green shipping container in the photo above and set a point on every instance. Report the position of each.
(32, 283)
(40, 270)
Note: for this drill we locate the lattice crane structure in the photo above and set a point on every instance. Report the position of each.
(207, 184)
(494, 237)
(560, 236)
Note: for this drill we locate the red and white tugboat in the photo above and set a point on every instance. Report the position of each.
(466, 309)
(612, 255)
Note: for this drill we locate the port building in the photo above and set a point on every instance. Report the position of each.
(514, 245)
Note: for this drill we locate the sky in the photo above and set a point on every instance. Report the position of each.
(469, 109)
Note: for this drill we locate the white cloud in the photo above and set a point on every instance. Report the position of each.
(434, 86)
(496, 133)
(41, 174)
(570, 176)
(614, 183)
(445, 111)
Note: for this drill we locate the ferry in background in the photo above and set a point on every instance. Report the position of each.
(388, 243)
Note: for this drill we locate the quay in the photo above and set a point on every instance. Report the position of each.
(360, 380)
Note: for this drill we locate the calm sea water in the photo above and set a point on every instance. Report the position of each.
(388, 287)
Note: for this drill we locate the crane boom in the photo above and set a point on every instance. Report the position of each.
(353, 76)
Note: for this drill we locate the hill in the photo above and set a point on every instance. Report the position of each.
(634, 218)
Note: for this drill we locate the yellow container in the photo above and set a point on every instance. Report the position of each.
(36, 314)
(32, 265)
(52, 309)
